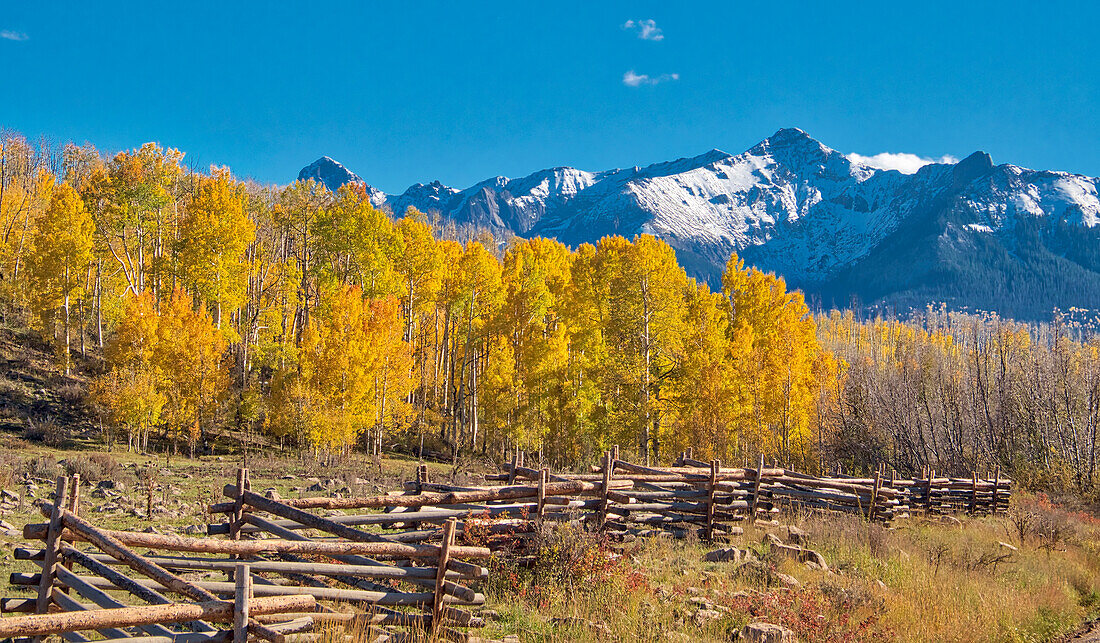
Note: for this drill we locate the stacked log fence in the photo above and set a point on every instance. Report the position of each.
(287, 572)
(709, 500)
(405, 565)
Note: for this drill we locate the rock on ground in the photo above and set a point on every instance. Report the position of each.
(766, 633)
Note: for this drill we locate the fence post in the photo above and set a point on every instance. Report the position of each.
(973, 492)
(711, 488)
(544, 476)
(512, 470)
(441, 573)
(928, 493)
(149, 495)
(996, 480)
(73, 508)
(608, 468)
(237, 519)
(421, 477)
(53, 547)
(241, 595)
(756, 489)
(874, 496)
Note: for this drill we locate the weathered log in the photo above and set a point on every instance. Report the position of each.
(312, 521)
(69, 604)
(102, 599)
(124, 582)
(242, 590)
(44, 624)
(226, 588)
(268, 546)
(432, 515)
(110, 545)
(562, 488)
(282, 567)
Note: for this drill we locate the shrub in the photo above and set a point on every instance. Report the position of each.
(98, 466)
(43, 467)
(46, 431)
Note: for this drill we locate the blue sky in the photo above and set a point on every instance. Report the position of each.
(460, 91)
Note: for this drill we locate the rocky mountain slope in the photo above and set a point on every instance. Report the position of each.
(973, 234)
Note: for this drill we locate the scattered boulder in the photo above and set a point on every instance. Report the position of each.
(315, 487)
(704, 616)
(799, 554)
(766, 633)
(115, 485)
(787, 580)
(771, 539)
(9, 496)
(271, 493)
(797, 536)
(194, 530)
(727, 555)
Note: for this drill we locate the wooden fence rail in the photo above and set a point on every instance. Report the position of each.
(405, 565)
(279, 577)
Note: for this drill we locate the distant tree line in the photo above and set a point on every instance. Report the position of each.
(962, 392)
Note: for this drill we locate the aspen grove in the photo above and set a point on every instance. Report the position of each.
(223, 307)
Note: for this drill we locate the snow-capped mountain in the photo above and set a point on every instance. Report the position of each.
(333, 174)
(972, 233)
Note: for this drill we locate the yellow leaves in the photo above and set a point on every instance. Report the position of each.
(164, 367)
(779, 360)
(213, 235)
(353, 374)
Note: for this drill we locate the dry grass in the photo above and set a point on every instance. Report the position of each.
(921, 581)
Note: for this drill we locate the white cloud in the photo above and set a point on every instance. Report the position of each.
(902, 161)
(630, 79)
(17, 36)
(647, 29)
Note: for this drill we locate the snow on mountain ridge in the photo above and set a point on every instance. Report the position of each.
(788, 204)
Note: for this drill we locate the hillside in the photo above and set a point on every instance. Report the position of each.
(974, 234)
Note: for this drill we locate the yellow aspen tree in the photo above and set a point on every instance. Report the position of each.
(129, 395)
(189, 355)
(214, 233)
(62, 251)
(775, 337)
(335, 369)
(356, 243)
(390, 369)
(140, 193)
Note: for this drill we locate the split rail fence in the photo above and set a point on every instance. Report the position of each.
(281, 580)
(709, 499)
(400, 566)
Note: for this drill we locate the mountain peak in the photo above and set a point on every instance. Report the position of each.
(789, 134)
(789, 138)
(333, 174)
(971, 168)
